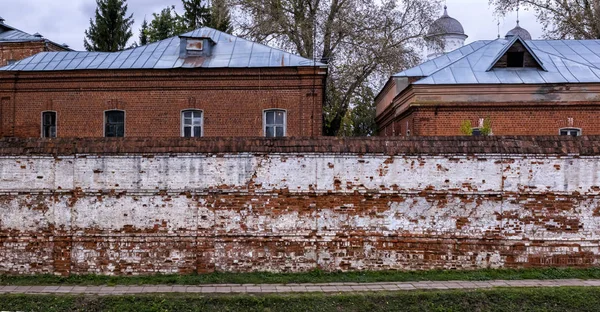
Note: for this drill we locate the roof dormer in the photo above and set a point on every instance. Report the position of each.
(517, 54)
(195, 47)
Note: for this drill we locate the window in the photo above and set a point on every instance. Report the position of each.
(48, 124)
(114, 124)
(476, 132)
(570, 131)
(275, 122)
(515, 59)
(191, 123)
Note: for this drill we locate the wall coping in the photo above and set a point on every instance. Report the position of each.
(458, 145)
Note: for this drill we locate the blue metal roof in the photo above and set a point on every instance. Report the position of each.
(11, 34)
(228, 51)
(562, 61)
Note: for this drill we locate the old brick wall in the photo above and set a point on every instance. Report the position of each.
(232, 100)
(143, 206)
(16, 51)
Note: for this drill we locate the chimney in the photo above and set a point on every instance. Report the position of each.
(195, 47)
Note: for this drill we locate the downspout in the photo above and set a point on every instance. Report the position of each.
(323, 97)
(14, 106)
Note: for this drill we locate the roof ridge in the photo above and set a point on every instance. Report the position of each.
(458, 59)
(261, 44)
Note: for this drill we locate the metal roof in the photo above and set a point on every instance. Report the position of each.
(564, 61)
(11, 34)
(228, 51)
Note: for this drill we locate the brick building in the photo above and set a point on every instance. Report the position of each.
(521, 86)
(16, 44)
(202, 83)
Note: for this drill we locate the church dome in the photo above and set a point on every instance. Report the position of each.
(519, 31)
(446, 25)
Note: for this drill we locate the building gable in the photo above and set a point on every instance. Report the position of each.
(517, 54)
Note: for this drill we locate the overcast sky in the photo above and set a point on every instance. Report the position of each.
(64, 21)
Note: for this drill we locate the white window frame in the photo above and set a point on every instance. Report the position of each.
(124, 121)
(579, 132)
(42, 124)
(182, 120)
(284, 120)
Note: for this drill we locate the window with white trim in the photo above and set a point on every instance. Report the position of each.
(48, 124)
(114, 124)
(191, 123)
(275, 123)
(570, 131)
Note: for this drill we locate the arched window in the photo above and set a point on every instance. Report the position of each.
(275, 123)
(114, 124)
(192, 123)
(48, 124)
(570, 131)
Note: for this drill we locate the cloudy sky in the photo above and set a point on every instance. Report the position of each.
(64, 21)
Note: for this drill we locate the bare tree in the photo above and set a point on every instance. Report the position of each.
(561, 19)
(362, 41)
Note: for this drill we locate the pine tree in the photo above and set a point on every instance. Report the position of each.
(200, 13)
(196, 14)
(220, 18)
(144, 40)
(165, 25)
(111, 28)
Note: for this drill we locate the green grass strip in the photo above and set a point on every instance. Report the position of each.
(503, 299)
(308, 277)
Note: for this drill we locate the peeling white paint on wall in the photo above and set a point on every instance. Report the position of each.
(291, 212)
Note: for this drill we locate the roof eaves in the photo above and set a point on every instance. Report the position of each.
(508, 45)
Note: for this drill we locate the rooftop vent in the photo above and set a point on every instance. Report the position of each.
(38, 35)
(1, 20)
(195, 47)
(65, 45)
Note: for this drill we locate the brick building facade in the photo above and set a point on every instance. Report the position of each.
(16, 44)
(522, 87)
(204, 83)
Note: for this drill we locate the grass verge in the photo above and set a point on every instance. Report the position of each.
(504, 299)
(307, 277)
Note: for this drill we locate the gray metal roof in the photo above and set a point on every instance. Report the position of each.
(11, 34)
(229, 51)
(564, 61)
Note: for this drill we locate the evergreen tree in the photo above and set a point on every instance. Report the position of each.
(144, 40)
(164, 25)
(200, 13)
(220, 18)
(196, 14)
(111, 28)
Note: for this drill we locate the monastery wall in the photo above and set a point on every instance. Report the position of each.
(137, 206)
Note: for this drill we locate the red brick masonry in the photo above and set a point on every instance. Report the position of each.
(146, 206)
(232, 101)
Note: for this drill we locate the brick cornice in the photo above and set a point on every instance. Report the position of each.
(444, 145)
